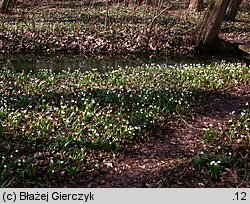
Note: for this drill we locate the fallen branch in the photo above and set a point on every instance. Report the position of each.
(185, 122)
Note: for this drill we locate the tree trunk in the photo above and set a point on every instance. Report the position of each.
(4, 6)
(208, 30)
(196, 5)
(232, 9)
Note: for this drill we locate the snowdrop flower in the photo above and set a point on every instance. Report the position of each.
(212, 163)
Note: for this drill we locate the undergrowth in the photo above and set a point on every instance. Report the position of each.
(54, 126)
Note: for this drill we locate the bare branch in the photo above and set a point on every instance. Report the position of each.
(157, 16)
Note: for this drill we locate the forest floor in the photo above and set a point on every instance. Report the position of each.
(88, 29)
(165, 160)
(133, 127)
(206, 147)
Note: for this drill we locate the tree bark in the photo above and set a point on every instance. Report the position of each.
(208, 30)
(4, 6)
(232, 9)
(196, 5)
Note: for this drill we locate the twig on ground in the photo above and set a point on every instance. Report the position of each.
(185, 122)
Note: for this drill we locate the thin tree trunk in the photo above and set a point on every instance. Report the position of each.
(4, 6)
(196, 5)
(232, 9)
(107, 15)
(209, 27)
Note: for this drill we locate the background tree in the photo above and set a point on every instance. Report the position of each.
(196, 5)
(4, 6)
(209, 27)
(232, 9)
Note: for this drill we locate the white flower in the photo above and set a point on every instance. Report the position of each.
(62, 173)
(212, 163)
